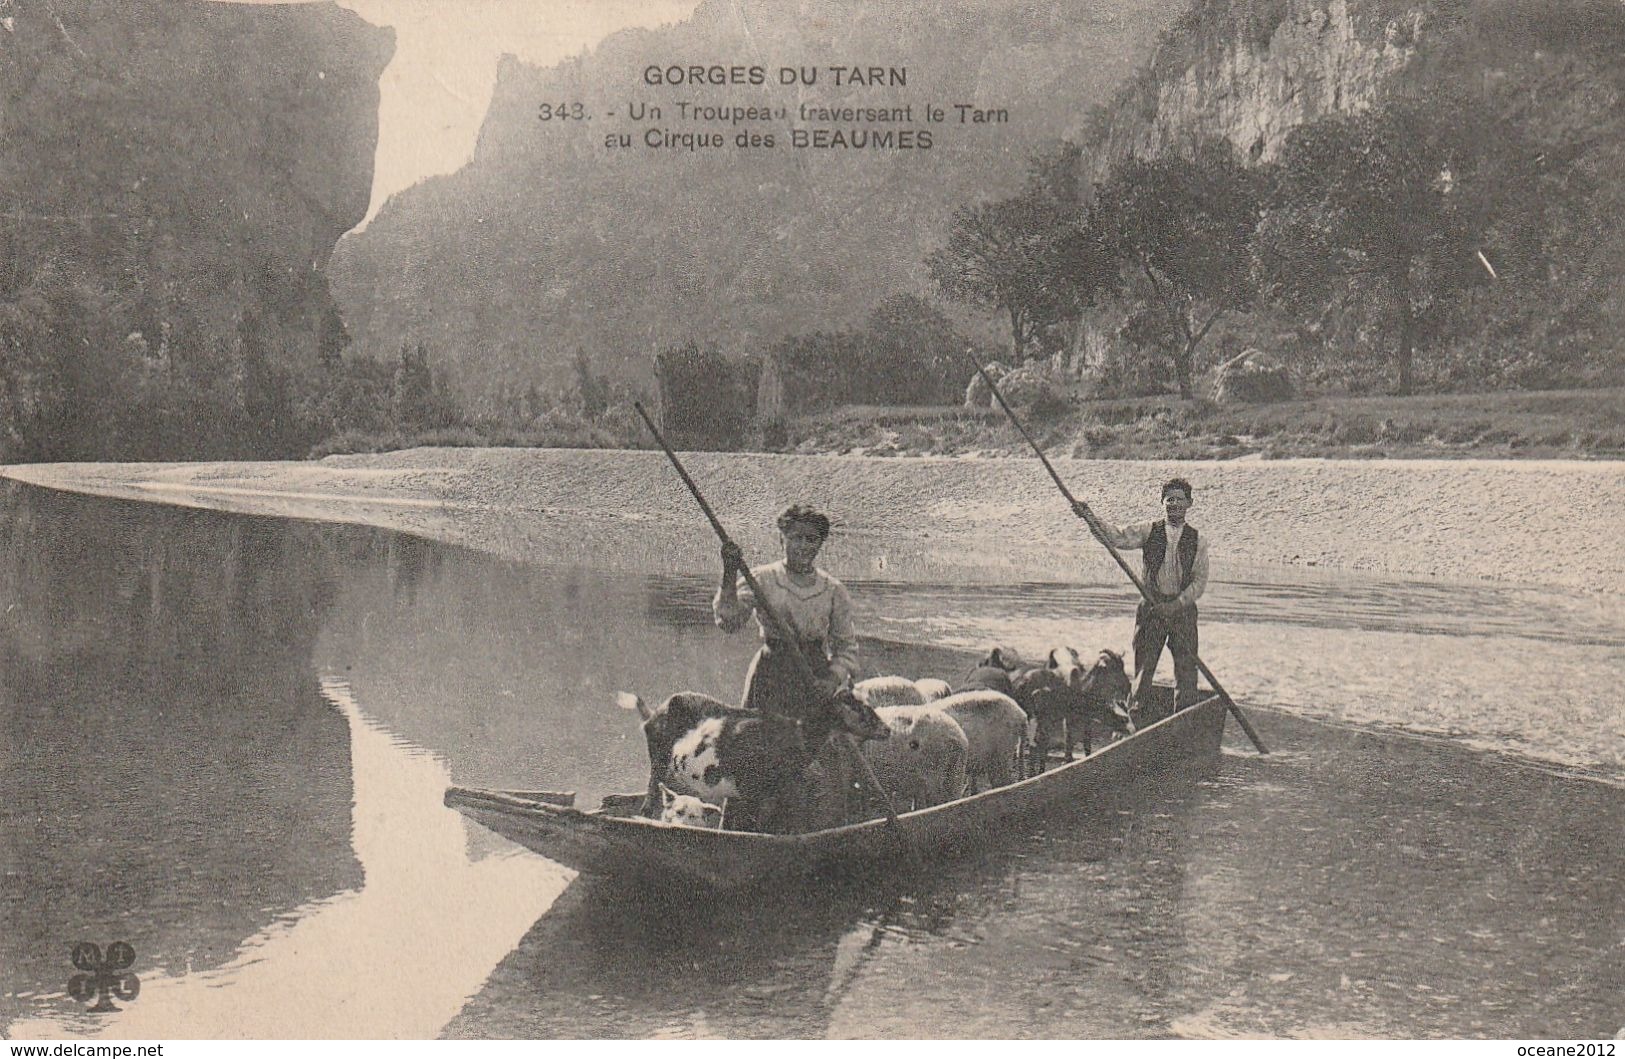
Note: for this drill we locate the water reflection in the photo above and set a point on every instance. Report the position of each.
(395, 956)
(178, 774)
(512, 671)
(158, 706)
(964, 948)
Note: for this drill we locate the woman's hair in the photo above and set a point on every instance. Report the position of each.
(804, 513)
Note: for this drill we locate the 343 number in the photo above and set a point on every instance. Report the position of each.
(561, 112)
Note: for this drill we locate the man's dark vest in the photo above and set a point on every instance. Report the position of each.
(1156, 549)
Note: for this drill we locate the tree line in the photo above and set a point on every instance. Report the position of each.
(87, 373)
(1396, 232)
(1417, 244)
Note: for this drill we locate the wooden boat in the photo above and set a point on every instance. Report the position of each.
(614, 840)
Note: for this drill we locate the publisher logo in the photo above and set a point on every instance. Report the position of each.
(103, 978)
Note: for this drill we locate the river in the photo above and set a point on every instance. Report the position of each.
(226, 739)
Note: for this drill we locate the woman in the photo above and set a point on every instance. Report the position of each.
(814, 605)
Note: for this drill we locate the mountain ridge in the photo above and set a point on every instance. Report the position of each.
(547, 242)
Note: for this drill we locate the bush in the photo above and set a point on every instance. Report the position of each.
(907, 353)
(707, 400)
(1463, 433)
(1354, 432)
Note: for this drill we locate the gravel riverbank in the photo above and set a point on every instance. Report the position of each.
(1532, 522)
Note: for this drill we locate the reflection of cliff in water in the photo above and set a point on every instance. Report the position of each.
(171, 776)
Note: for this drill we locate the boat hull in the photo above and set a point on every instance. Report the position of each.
(648, 851)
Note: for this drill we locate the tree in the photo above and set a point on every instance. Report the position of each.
(420, 397)
(591, 389)
(1028, 256)
(331, 339)
(1181, 227)
(821, 369)
(267, 398)
(912, 355)
(67, 375)
(1388, 211)
(707, 400)
(359, 398)
(908, 352)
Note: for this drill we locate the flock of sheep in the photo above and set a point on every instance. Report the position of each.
(927, 743)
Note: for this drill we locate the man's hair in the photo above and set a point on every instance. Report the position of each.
(1177, 483)
(804, 513)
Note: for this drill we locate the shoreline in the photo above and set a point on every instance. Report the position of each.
(1520, 522)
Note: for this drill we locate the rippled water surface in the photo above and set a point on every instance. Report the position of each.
(225, 741)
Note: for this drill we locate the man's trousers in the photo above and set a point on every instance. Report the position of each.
(1179, 634)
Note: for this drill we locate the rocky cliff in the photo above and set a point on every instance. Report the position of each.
(198, 160)
(548, 242)
(1251, 71)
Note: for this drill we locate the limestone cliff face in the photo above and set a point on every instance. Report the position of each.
(193, 156)
(1252, 72)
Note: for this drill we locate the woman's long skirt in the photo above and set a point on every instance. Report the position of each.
(775, 685)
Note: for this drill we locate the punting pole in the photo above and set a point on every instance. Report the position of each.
(1094, 528)
(780, 629)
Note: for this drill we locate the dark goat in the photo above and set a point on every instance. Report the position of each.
(1066, 700)
(992, 673)
(755, 760)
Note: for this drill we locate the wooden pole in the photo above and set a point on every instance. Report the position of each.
(1100, 535)
(774, 622)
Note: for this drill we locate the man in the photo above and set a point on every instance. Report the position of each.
(1176, 573)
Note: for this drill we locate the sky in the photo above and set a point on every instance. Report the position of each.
(436, 89)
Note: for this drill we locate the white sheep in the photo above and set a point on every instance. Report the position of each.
(923, 762)
(997, 731)
(888, 691)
